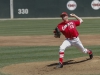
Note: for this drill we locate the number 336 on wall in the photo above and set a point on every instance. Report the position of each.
(23, 11)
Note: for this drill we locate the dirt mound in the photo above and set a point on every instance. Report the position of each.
(71, 67)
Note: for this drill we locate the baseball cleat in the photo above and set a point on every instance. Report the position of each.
(90, 54)
(59, 65)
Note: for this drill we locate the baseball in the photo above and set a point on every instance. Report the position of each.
(70, 14)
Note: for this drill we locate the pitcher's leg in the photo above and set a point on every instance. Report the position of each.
(64, 45)
(77, 43)
(80, 46)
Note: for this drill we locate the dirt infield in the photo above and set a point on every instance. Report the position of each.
(71, 67)
(46, 40)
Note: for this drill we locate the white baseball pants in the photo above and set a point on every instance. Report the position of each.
(74, 42)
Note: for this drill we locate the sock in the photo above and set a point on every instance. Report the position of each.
(61, 56)
(89, 52)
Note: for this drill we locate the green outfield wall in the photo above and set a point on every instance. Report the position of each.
(4, 8)
(50, 8)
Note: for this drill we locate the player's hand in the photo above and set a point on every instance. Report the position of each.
(72, 15)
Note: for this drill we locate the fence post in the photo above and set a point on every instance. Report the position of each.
(11, 9)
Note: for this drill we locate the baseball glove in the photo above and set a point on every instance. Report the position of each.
(57, 33)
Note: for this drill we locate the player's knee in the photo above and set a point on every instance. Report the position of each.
(61, 49)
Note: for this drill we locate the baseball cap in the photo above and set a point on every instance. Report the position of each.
(63, 14)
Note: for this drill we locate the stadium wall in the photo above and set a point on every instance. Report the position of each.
(49, 8)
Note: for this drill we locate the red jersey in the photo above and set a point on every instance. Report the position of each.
(68, 28)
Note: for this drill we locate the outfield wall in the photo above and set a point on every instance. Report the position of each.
(4, 8)
(48, 8)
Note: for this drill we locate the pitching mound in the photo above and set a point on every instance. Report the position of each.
(71, 67)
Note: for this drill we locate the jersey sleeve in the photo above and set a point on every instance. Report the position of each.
(77, 23)
(59, 27)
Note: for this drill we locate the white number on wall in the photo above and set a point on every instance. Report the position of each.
(23, 11)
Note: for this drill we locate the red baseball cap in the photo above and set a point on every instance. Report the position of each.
(63, 14)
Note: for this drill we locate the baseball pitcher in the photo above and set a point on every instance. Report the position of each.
(68, 29)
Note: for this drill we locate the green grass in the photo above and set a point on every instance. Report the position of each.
(11, 55)
(14, 55)
(44, 27)
(4, 74)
